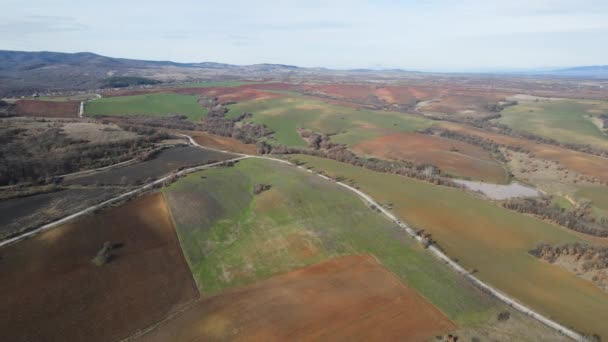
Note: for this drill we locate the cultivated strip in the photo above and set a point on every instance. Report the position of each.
(125, 195)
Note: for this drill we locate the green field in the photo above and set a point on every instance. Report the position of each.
(598, 195)
(350, 125)
(489, 239)
(567, 121)
(231, 237)
(561, 202)
(159, 104)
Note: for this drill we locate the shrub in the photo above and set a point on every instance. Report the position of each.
(259, 188)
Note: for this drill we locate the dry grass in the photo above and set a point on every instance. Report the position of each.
(96, 133)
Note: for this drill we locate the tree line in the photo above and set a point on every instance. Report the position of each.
(341, 153)
(579, 219)
(503, 129)
(41, 154)
(486, 144)
(594, 257)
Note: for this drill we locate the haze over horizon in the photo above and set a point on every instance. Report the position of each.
(471, 35)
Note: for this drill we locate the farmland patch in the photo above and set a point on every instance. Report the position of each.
(53, 291)
(51, 109)
(567, 121)
(234, 237)
(25, 213)
(452, 156)
(489, 240)
(158, 104)
(166, 161)
(342, 298)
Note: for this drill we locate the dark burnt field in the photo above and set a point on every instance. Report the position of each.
(166, 161)
(25, 213)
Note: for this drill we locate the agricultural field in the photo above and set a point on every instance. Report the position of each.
(460, 103)
(58, 293)
(371, 94)
(213, 84)
(47, 109)
(490, 241)
(232, 237)
(63, 98)
(333, 300)
(598, 195)
(347, 125)
(156, 104)
(455, 157)
(583, 163)
(219, 142)
(167, 160)
(567, 121)
(24, 213)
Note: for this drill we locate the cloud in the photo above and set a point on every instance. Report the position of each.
(41, 24)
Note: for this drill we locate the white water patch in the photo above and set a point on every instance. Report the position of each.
(499, 191)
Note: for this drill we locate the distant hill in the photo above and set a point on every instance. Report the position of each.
(29, 72)
(24, 73)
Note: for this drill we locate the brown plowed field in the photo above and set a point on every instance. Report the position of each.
(219, 142)
(582, 163)
(51, 291)
(230, 94)
(351, 297)
(367, 93)
(49, 109)
(453, 156)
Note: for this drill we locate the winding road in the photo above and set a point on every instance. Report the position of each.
(434, 250)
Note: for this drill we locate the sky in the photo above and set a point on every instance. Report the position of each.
(466, 35)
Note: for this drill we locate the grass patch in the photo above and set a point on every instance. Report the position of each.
(563, 120)
(159, 104)
(231, 237)
(349, 125)
(490, 239)
(562, 202)
(598, 195)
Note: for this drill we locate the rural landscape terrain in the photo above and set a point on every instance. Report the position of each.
(162, 201)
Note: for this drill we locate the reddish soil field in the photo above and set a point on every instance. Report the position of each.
(453, 156)
(230, 94)
(351, 297)
(50, 109)
(219, 142)
(370, 93)
(465, 103)
(53, 292)
(582, 163)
